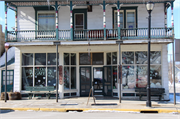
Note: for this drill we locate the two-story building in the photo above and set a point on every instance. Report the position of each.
(88, 32)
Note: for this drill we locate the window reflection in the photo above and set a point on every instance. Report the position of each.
(66, 78)
(40, 76)
(128, 80)
(40, 58)
(52, 58)
(141, 57)
(127, 57)
(51, 76)
(27, 59)
(27, 77)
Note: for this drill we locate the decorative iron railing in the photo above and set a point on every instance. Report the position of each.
(89, 34)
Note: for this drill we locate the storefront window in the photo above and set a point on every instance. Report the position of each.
(127, 57)
(27, 59)
(73, 58)
(115, 84)
(114, 57)
(84, 58)
(52, 58)
(97, 59)
(27, 77)
(40, 58)
(66, 78)
(35, 75)
(108, 58)
(51, 76)
(66, 58)
(69, 71)
(128, 78)
(141, 76)
(40, 76)
(141, 57)
(155, 57)
(73, 77)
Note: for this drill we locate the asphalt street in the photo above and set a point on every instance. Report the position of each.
(6, 114)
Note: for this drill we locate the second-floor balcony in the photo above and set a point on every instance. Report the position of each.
(89, 34)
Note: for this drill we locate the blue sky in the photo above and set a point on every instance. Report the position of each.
(11, 20)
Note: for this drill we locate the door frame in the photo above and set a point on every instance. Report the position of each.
(111, 79)
(2, 79)
(98, 66)
(80, 77)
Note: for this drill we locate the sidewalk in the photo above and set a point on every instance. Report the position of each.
(80, 104)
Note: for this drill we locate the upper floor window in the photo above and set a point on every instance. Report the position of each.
(46, 21)
(79, 21)
(128, 17)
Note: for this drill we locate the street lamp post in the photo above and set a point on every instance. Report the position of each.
(6, 49)
(149, 7)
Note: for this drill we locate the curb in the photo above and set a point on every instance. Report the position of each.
(93, 109)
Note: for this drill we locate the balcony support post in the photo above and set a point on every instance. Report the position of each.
(71, 20)
(6, 37)
(104, 19)
(16, 22)
(57, 33)
(172, 18)
(118, 19)
(172, 22)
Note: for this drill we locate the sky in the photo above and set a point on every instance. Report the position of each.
(11, 20)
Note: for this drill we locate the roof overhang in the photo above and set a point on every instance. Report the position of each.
(77, 2)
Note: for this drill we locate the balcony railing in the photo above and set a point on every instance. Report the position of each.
(32, 35)
(95, 34)
(89, 34)
(142, 33)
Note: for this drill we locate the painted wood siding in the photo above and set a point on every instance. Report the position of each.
(26, 17)
(164, 68)
(17, 70)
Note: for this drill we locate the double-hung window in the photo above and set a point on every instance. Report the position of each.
(128, 21)
(46, 24)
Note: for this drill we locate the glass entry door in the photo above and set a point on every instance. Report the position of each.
(98, 80)
(85, 81)
(107, 76)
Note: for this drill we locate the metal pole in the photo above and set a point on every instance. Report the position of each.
(174, 74)
(5, 99)
(57, 73)
(119, 73)
(148, 103)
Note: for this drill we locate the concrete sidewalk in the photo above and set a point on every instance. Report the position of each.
(80, 104)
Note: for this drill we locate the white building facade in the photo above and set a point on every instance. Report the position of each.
(88, 33)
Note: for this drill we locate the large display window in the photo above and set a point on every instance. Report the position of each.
(39, 69)
(134, 69)
(69, 71)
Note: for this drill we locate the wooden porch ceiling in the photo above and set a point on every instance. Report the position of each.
(20, 3)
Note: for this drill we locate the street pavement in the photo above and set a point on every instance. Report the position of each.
(80, 104)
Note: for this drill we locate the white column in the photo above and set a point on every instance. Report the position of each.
(164, 69)
(61, 87)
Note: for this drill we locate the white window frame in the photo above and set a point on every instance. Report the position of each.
(46, 12)
(121, 11)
